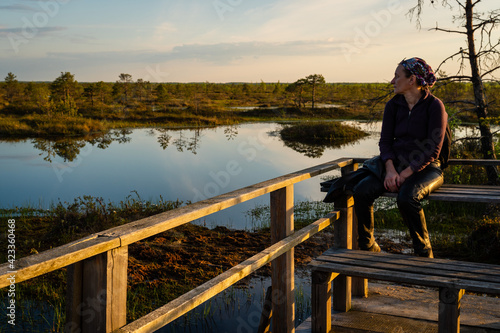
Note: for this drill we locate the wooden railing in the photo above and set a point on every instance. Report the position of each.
(97, 264)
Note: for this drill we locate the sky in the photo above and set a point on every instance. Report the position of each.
(221, 40)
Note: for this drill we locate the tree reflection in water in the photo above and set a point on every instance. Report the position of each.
(315, 150)
(69, 148)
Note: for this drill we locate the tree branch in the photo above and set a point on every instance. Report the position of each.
(490, 71)
(447, 30)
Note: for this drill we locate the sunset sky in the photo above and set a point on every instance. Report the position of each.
(220, 40)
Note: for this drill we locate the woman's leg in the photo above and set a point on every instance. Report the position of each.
(365, 193)
(417, 187)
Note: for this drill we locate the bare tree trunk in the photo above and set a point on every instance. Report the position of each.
(487, 147)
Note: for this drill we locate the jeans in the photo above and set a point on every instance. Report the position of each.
(415, 188)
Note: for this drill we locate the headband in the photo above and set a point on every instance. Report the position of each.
(421, 70)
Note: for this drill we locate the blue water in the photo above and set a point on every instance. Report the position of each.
(189, 165)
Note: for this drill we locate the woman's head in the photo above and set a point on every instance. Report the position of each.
(424, 74)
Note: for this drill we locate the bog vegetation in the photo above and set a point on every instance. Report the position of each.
(67, 107)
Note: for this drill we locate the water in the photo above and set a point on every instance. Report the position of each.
(189, 165)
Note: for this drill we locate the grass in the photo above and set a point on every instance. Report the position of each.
(55, 125)
(330, 134)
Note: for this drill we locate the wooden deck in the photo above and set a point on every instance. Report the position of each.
(396, 308)
(345, 271)
(97, 264)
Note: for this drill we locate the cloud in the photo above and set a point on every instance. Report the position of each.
(42, 31)
(219, 53)
(223, 53)
(17, 8)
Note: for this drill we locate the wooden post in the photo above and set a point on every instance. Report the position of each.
(359, 285)
(97, 293)
(321, 294)
(267, 312)
(343, 239)
(449, 309)
(282, 268)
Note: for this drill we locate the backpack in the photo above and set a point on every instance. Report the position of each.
(444, 154)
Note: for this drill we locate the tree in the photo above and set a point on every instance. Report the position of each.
(12, 88)
(482, 55)
(296, 89)
(124, 83)
(314, 81)
(38, 95)
(64, 89)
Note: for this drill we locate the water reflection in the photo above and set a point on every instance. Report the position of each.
(314, 150)
(69, 148)
(183, 140)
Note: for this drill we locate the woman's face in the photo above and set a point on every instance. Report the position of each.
(400, 82)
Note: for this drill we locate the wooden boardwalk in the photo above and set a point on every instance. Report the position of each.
(395, 308)
(97, 264)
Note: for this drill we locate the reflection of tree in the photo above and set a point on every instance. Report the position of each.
(191, 144)
(194, 143)
(69, 149)
(164, 138)
(180, 143)
(121, 136)
(314, 150)
(231, 132)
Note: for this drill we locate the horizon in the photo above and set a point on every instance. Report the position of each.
(223, 40)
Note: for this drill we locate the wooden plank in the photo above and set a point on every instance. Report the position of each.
(411, 278)
(411, 267)
(481, 162)
(53, 259)
(181, 305)
(448, 264)
(406, 260)
(282, 268)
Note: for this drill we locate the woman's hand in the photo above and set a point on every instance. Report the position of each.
(391, 177)
(391, 181)
(404, 175)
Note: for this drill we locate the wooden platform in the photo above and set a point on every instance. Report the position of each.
(451, 277)
(463, 193)
(399, 309)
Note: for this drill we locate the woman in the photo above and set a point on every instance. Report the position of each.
(413, 129)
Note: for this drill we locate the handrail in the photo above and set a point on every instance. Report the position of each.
(98, 262)
(181, 305)
(35, 265)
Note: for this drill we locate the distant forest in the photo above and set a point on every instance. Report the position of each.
(106, 100)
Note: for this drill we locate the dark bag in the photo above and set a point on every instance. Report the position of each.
(444, 154)
(336, 187)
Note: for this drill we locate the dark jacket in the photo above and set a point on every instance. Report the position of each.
(413, 138)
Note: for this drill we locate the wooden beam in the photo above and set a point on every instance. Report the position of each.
(449, 310)
(282, 268)
(97, 293)
(183, 304)
(321, 301)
